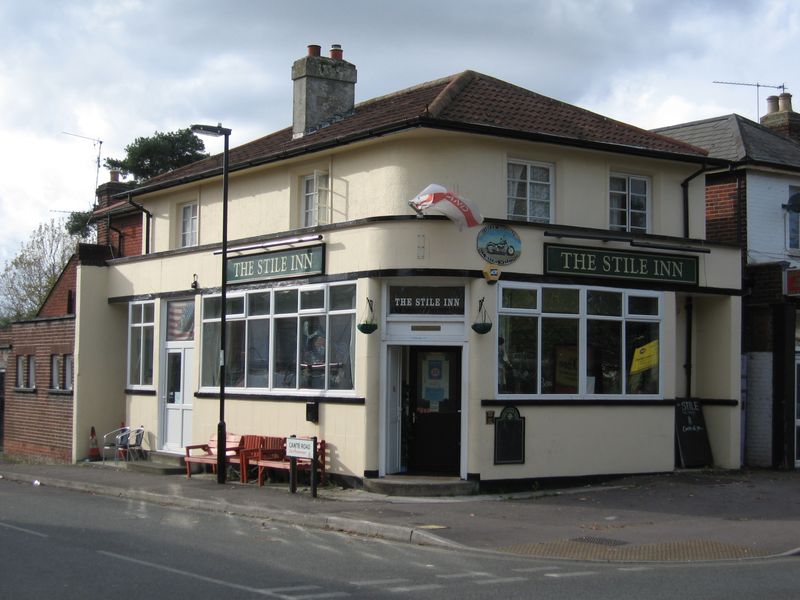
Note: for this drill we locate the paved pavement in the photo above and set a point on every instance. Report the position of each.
(682, 516)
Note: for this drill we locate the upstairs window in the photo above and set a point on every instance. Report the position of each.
(629, 201)
(530, 191)
(315, 205)
(188, 236)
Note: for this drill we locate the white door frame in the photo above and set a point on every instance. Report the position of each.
(391, 355)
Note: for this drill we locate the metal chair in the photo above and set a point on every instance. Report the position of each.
(117, 442)
(134, 450)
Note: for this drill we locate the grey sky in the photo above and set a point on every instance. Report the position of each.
(115, 71)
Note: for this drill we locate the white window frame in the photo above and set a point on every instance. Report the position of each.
(792, 224)
(68, 371)
(188, 234)
(325, 311)
(22, 370)
(315, 194)
(627, 210)
(529, 200)
(141, 326)
(55, 372)
(582, 316)
(31, 371)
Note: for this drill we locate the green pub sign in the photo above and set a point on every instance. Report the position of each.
(294, 262)
(578, 260)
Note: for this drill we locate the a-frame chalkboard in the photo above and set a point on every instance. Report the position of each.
(691, 434)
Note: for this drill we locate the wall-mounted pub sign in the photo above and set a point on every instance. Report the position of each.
(294, 262)
(499, 244)
(579, 260)
(419, 300)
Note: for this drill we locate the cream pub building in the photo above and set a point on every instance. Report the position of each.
(553, 339)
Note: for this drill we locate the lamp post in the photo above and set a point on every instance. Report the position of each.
(217, 131)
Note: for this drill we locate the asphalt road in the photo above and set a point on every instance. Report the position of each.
(56, 543)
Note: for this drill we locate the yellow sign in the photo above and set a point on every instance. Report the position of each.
(645, 357)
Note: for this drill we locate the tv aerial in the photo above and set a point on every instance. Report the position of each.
(99, 145)
(758, 86)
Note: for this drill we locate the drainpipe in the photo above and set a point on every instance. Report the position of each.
(685, 186)
(149, 216)
(688, 366)
(119, 234)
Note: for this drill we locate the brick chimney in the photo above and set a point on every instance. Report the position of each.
(324, 89)
(781, 118)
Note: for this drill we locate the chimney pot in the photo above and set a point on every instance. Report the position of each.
(772, 104)
(314, 49)
(114, 175)
(785, 102)
(336, 52)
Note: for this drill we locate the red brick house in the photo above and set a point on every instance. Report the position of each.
(37, 418)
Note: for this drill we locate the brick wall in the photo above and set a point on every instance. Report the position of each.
(38, 422)
(725, 216)
(61, 299)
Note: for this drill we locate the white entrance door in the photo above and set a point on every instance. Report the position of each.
(394, 404)
(177, 399)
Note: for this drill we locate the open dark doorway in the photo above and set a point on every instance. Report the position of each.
(434, 410)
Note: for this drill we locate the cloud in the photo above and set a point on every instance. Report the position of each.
(119, 70)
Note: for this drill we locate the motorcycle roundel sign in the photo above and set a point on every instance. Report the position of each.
(499, 245)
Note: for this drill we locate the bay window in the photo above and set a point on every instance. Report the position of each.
(283, 339)
(578, 341)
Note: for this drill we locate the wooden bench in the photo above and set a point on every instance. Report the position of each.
(277, 459)
(265, 446)
(233, 446)
(249, 443)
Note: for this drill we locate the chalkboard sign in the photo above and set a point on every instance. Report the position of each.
(509, 437)
(692, 436)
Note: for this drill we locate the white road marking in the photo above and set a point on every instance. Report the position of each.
(23, 530)
(634, 569)
(416, 588)
(274, 592)
(499, 580)
(463, 575)
(535, 569)
(573, 574)
(371, 582)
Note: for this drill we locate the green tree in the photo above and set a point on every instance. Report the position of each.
(29, 276)
(147, 157)
(77, 224)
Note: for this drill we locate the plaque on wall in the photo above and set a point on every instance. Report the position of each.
(509, 437)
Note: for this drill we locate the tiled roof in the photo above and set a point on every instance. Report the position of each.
(469, 101)
(732, 137)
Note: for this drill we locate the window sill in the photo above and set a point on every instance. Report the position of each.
(148, 391)
(24, 390)
(59, 392)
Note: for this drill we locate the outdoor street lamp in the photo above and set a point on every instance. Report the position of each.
(217, 131)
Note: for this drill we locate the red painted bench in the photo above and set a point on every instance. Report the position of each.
(233, 446)
(277, 459)
(266, 446)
